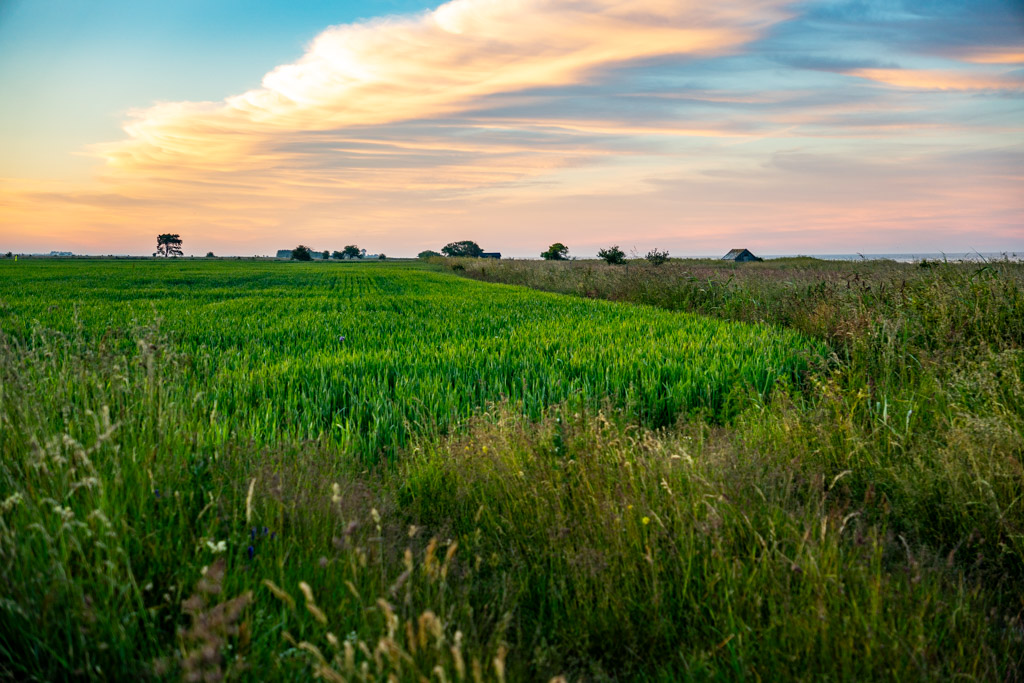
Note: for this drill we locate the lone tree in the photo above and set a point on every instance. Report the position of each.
(463, 248)
(302, 253)
(612, 255)
(656, 257)
(352, 251)
(428, 253)
(168, 245)
(556, 252)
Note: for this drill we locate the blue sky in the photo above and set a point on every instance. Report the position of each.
(819, 126)
(109, 56)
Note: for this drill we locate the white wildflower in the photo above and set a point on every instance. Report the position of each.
(11, 502)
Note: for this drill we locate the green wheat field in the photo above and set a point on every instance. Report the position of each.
(219, 469)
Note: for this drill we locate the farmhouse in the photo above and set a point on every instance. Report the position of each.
(740, 256)
(284, 253)
(491, 254)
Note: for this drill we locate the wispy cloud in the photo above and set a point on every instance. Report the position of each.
(937, 79)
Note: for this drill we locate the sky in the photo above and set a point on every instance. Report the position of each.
(812, 127)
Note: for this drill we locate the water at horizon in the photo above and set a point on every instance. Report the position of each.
(912, 257)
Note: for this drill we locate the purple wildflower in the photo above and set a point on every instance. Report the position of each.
(252, 552)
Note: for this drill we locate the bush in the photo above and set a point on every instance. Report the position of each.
(427, 253)
(463, 248)
(556, 252)
(302, 253)
(656, 257)
(210, 254)
(612, 255)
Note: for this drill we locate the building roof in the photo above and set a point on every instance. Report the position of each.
(737, 253)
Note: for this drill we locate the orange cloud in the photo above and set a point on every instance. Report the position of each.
(434, 64)
(931, 79)
(999, 56)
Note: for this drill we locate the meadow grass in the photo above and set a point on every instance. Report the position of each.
(522, 486)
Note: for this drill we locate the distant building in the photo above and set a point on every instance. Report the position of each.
(61, 253)
(491, 254)
(740, 256)
(284, 253)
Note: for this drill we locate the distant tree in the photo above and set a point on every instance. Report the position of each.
(9, 255)
(656, 257)
(556, 252)
(326, 255)
(338, 254)
(209, 254)
(463, 248)
(612, 255)
(302, 253)
(168, 245)
(428, 253)
(352, 251)
(382, 257)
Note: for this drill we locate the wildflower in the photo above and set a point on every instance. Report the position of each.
(646, 520)
(252, 552)
(341, 337)
(248, 500)
(336, 495)
(218, 547)
(11, 502)
(64, 513)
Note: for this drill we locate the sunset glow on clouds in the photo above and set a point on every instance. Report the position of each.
(816, 127)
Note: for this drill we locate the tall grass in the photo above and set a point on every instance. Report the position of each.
(924, 398)
(151, 526)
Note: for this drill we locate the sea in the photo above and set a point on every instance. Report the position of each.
(974, 256)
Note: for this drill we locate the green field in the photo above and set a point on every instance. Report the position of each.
(271, 470)
(368, 357)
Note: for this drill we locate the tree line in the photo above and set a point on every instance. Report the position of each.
(612, 255)
(170, 245)
(351, 251)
